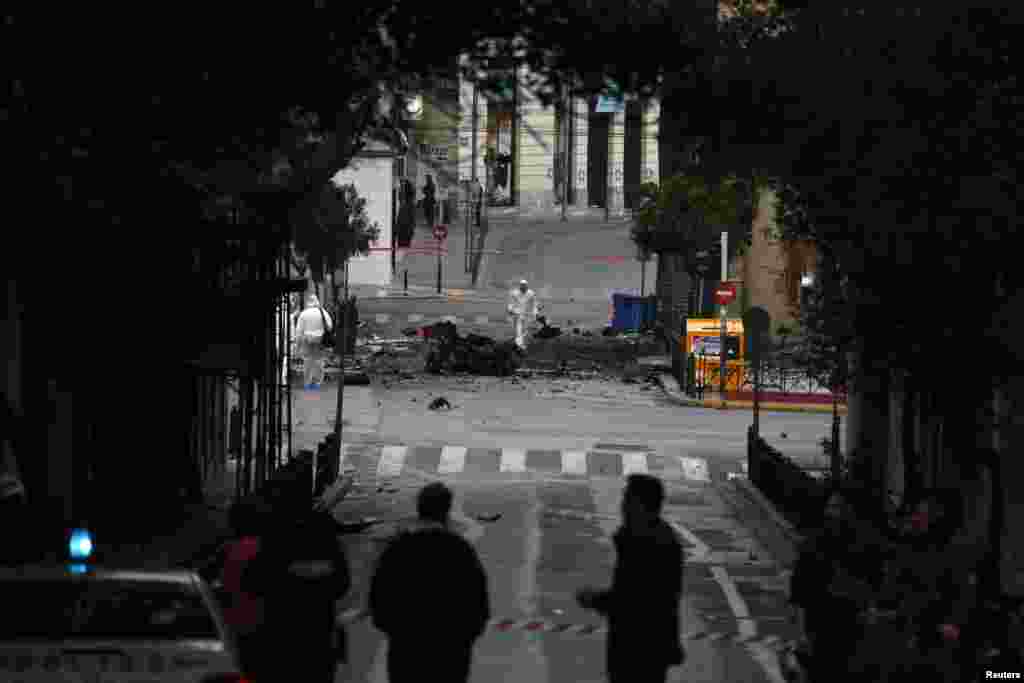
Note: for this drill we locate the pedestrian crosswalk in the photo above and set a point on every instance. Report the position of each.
(380, 461)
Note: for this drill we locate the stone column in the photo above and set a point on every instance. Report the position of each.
(616, 160)
(582, 117)
(465, 154)
(652, 110)
(481, 137)
(536, 162)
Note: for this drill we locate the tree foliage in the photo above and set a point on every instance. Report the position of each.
(891, 129)
(333, 229)
(681, 213)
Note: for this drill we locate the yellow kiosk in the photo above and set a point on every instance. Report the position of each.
(703, 339)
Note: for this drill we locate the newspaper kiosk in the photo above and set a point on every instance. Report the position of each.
(703, 339)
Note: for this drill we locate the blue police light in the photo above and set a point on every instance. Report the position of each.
(80, 545)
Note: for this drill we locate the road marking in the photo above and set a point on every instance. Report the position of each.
(535, 667)
(700, 548)
(453, 459)
(392, 460)
(415, 317)
(481, 320)
(736, 602)
(574, 462)
(695, 469)
(512, 460)
(634, 463)
(449, 319)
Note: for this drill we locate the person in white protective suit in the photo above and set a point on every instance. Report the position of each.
(523, 307)
(309, 330)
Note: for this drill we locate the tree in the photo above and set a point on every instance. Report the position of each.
(334, 230)
(893, 128)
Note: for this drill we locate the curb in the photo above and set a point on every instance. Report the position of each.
(675, 397)
(771, 529)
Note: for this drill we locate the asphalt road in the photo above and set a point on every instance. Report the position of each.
(552, 414)
(548, 457)
(552, 538)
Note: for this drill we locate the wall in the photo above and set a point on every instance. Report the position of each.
(768, 263)
(373, 179)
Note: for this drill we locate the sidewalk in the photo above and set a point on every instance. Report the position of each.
(420, 262)
(672, 390)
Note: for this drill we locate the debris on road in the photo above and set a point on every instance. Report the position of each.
(440, 403)
(488, 518)
(473, 353)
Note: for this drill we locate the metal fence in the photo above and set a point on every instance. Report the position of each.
(795, 492)
(779, 375)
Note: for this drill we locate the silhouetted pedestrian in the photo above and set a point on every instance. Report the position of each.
(301, 572)
(478, 201)
(433, 622)
(430, 200)
(244, 612)
(642, 605)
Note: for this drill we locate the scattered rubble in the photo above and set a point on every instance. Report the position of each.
(440, 403)
(472, 353)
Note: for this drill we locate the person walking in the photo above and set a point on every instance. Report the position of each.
(478, 201)
(300, 573)
(938, 581)
(838, 573)
(523, 308)
(244, 612)
(407, 214)
(430, 200)
(313, 322)
(642, 604)
(450, 585)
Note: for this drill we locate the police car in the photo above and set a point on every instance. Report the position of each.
(79, 623)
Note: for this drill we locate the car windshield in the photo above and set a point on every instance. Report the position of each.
(107, 609)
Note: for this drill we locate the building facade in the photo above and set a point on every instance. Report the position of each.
(372, 173)
(773, 271)
(587, 152)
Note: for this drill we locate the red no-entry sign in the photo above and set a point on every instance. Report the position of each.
(725, 294)
(440, 232)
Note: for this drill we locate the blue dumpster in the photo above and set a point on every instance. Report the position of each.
(632, 312)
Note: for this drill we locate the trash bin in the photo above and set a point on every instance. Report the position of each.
(633, 312)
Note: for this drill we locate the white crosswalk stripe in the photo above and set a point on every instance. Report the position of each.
(695, 469)
(415, 317)
(391, 461)
(513, 460)
(481, 320)
(382, 462)
(574, 462)
(634, 463)
(453, 460)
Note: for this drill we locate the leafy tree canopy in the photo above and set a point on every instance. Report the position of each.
(892, 129)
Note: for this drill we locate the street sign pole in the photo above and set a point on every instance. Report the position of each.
(725, 276)
(440, 234)
(439, 265)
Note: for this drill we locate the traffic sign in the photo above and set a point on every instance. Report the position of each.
(725, 294)
(440, 232)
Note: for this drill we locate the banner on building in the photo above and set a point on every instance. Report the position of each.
(610, 105)
(435, 152)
